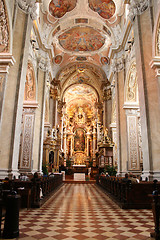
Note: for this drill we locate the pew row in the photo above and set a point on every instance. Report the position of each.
(35, 192)
(129, 195)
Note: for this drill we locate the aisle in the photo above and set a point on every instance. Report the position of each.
(83, 212)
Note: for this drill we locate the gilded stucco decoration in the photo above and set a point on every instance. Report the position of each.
(30, 88)
(131, 91)
(4, 32)
(58, 8)
(81, 39)
(105, 8)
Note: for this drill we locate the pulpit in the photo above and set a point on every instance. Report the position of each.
(105, 153)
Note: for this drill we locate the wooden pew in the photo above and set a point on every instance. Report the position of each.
(127, 194)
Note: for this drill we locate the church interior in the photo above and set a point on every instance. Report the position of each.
(80, 94)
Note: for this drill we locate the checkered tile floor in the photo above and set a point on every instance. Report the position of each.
(83, 212)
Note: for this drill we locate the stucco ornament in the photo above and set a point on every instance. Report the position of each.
(29, 6)
(4, 34)
(137, 7)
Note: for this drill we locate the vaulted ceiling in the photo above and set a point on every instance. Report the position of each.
(81, 34)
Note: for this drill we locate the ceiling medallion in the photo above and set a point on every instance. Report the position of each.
(58, 59)
(81, 39)
(105, 8)
(58, 8)
(104, 60)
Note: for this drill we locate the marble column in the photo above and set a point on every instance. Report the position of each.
(148, 93)
(120, 116)
(53, 106)
(107, 107)
(13, 99)
(94, 146)
(65, 146)
(40, 115)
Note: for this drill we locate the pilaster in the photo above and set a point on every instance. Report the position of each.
(6, 60)
(13, 98)
(148, 88)
(40, 113)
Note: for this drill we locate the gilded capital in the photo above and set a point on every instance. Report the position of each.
(107, 94)
(53, 93)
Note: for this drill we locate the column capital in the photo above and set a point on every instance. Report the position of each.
(54, 93)
(29, 7)
(107, 94)
(42, 64)
(137, 7)
(117, 64)
(155, 64)
(6, 60)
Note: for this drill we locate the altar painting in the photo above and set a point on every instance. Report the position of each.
(105, 8)
(79, 140)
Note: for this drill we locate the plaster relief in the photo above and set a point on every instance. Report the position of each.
(4, 33)
(133, 149)
(30, 89)
(131, 94)
(27, 139)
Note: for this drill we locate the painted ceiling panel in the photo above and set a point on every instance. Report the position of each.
(81, 39)
(105, 8)
(81, 93)
(58, 8)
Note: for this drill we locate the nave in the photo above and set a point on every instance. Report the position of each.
(83, 212)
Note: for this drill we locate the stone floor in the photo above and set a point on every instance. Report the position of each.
(83, 212)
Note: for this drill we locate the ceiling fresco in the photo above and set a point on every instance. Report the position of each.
(105, 8)
(58, 8)
(80, 94)
(81, 39)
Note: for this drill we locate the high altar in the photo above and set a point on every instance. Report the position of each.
(80, 141)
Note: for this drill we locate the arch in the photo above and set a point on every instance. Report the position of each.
(95, 90)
